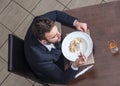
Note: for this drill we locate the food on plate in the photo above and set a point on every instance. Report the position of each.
(73, 44)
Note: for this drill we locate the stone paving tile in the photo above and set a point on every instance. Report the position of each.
(3, 4)
(3, 70)
(28, 4)
(46, 6)
(4, 51)
(82, 3)
(3, 34)
(21, 31)
(64, 2)
(31, 81)
(15, 80)
(66, 9)
(12, 16)
(37, 84)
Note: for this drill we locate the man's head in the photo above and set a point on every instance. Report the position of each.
(46, 31)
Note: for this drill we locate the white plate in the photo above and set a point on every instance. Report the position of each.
(86, 45)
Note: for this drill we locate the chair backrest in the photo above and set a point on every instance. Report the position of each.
(16, 57)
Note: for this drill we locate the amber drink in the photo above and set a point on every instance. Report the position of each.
(113, 47)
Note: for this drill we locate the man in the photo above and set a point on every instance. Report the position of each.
(43, 49)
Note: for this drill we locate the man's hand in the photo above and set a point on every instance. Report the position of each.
(80, 60)
(80, 26)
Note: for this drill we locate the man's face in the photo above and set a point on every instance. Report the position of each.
(53, 36)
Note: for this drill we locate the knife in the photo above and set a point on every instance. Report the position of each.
(83, 71)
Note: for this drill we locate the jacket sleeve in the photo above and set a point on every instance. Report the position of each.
(50, 69)
(59, 16)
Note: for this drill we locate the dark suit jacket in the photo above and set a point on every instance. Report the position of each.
(43, 61)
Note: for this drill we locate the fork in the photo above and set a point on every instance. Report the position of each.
(78, 48)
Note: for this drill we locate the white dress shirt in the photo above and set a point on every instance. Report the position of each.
(49, 46)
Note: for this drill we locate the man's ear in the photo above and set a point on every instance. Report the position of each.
(43, 41)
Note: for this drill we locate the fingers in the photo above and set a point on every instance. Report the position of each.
(81, 26)
(84, 27)
(82, 58)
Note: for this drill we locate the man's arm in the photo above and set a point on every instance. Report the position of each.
(43, 63)
(65, 19)
(59, 16)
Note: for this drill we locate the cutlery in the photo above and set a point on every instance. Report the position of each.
(84, 70)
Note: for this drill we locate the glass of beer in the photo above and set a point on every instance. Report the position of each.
(113, 47)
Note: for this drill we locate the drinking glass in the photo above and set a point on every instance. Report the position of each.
(113, 47)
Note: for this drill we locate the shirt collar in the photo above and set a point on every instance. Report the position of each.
(49, 46)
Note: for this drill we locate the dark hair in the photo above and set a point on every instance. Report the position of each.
(41, 26)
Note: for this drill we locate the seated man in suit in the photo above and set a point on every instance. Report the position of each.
(43, 47)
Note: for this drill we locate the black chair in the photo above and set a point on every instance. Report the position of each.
(16, 59)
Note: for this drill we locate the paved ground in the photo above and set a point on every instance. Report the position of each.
(16, 16)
